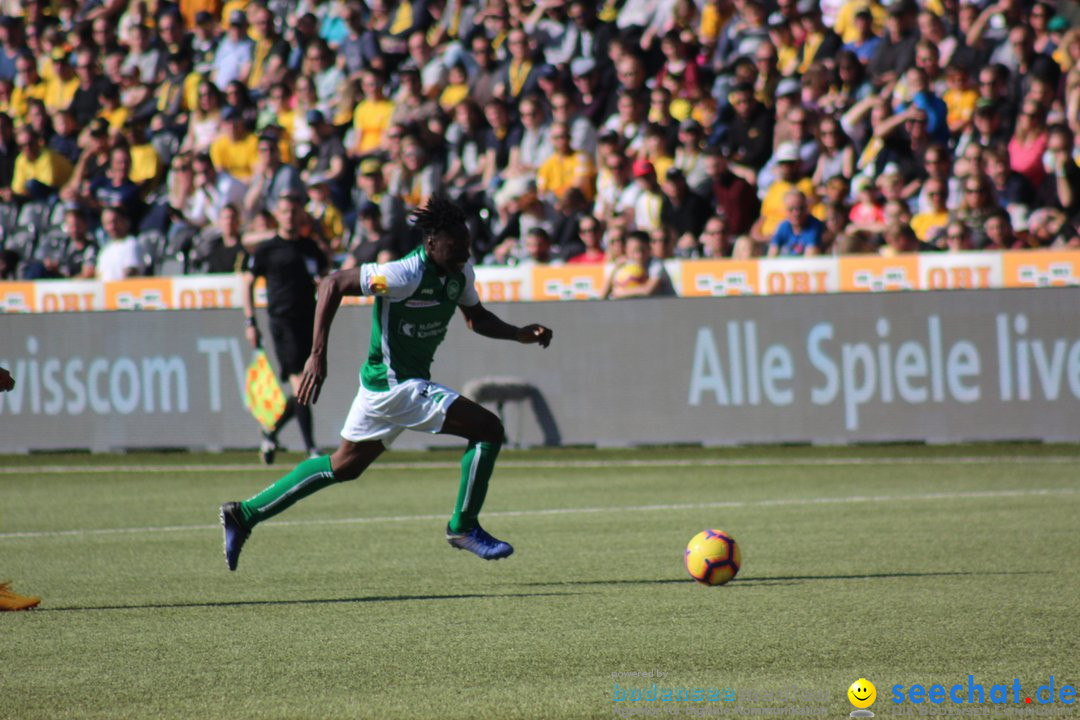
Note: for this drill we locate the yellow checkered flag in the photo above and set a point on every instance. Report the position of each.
(263, 395)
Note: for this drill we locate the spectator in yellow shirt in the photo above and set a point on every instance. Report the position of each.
(190, 8)
(565, 168)
(179, 91)
(929, 224)
(49, 51)
(656, 150)
(320, 207)
(39, 172)
(146, 166)
(845, 25)
(28, 84)
(111, 110)
(457, 88)
(959, 98)
(372, 114)
(234, 151)
(276, 110)
(60, 88)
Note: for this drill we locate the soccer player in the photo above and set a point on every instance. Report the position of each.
(415, 299)
(11, 600)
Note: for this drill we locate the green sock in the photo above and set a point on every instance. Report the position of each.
(476, 467)
(307, 477)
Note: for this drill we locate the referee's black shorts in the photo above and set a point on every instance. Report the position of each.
(292, 343)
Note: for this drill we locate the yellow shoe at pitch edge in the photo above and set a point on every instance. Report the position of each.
(14, 601)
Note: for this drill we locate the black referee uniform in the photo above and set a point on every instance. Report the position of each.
(290, 268)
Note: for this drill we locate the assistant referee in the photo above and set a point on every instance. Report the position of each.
(291, 265)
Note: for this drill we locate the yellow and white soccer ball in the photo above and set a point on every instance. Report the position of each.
(712, 557)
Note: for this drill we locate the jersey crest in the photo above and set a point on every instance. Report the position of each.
(453, 289)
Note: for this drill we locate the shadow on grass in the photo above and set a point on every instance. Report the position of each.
(886, 576)
(785, 579)
(311, 601)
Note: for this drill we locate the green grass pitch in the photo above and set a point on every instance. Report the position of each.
(896, 564)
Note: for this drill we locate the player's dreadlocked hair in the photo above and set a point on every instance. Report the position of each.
(439, 215)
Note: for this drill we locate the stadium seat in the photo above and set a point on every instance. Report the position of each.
(21, 242)
(178, 249)
(51, 246)
(9, 216)
(172, 265)
(56, 216)
(34, 217)
(152, 247)
(181, 239)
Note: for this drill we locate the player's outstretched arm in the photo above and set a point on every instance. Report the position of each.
(484, 322)
(332, 289)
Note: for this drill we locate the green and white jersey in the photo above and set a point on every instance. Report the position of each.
(413, 309)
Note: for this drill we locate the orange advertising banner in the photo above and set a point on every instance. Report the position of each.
(692, 278)
(150, 293)
(871, 273)
(17, 297)
(718, 278)
(567, 282)
(1041, 268)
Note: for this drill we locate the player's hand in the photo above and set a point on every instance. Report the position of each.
(535, 334)
(6, 381)
(253, 336)
(311, 380)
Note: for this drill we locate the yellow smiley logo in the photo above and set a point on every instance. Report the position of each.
(862, 693)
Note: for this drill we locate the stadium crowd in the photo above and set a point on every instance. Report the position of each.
(143, 136)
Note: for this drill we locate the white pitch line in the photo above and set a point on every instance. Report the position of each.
(571, 464)
(975, 494)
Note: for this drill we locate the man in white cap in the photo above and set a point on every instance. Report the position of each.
(789, 177)
(593, 99)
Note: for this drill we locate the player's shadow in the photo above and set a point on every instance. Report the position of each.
(307, 601)
(782, 579)
(886, 576)
(658, 581)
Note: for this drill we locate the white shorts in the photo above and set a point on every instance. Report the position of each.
(410, 405)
